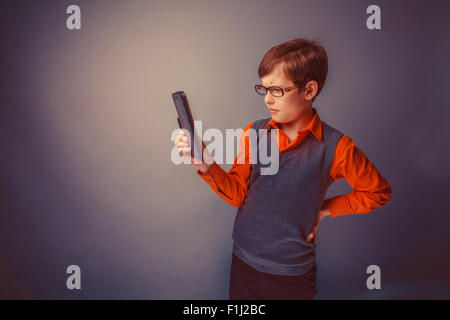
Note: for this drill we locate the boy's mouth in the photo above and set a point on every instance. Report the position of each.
(273, 110)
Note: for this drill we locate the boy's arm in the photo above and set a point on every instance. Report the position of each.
(370, 188)
(232, 186)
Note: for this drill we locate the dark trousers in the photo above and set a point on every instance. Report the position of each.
(247, 283)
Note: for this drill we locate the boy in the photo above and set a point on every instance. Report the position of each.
(275, 230)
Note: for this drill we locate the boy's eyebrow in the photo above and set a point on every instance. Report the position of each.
(270, 83)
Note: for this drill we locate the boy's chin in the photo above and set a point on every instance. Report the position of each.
(278, 119)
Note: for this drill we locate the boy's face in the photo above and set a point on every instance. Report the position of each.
(291, 105)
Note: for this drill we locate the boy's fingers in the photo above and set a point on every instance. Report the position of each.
(181, 138)
(184, 151)
(182, 144)
(312, 234)
(181, 141)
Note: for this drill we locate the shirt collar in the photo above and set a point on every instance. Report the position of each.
(315, 125)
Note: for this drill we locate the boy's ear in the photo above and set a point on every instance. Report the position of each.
(311, 89)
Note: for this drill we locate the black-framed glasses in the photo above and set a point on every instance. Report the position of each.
(274, 90)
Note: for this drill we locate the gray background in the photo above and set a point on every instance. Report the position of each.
(85, 124)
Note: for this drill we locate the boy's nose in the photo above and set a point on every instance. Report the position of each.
(269, 99)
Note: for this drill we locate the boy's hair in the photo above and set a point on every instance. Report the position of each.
(304, 61)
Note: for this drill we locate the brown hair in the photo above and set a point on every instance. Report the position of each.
(304, 61)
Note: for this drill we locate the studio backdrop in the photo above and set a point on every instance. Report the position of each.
(86, 118)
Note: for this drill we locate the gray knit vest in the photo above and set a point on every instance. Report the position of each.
(279, 210)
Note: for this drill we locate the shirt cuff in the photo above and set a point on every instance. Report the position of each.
(338, 206)
(208, 176)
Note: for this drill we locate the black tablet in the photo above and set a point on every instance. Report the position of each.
(185, 121)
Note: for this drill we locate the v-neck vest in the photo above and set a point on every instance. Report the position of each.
(279, 210)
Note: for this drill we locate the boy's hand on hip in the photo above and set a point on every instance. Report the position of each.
(322, 214)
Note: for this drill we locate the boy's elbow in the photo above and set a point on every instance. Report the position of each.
(383, 198)
(233, 201)
(386, 197)
(237, 197)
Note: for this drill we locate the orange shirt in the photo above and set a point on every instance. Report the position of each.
(370, 189)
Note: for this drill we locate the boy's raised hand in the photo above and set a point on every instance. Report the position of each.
(184, 150)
